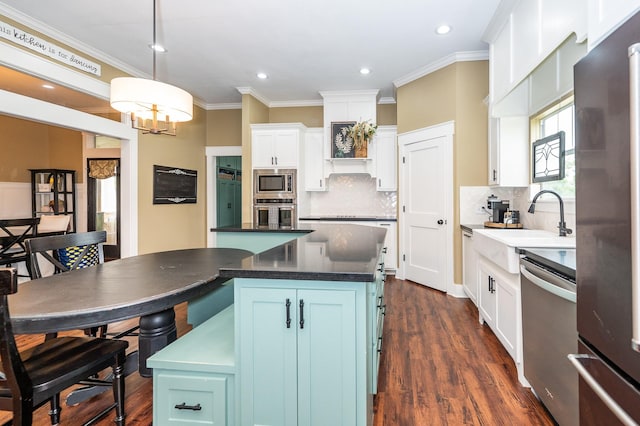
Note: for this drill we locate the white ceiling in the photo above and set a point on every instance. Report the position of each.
(216, 47)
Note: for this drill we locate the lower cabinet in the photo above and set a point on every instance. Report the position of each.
(498, 305)
(302, 352)
(469, 267)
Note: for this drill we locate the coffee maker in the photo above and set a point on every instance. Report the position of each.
(497, 207)
(499, 210)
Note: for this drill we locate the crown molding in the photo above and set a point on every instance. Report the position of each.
(251, 91)
(478, 55)
(386, 100)
(349, 93)
(234, 105)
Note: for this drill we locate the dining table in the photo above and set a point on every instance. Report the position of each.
(146, 286)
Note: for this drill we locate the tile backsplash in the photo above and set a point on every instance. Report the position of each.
(473, 198)
(351, 194)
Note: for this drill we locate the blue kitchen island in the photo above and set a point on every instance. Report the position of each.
(299, 345)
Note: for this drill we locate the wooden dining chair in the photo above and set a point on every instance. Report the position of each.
(37, 375)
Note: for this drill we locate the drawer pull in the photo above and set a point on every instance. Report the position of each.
(184, 406)
(301, 314)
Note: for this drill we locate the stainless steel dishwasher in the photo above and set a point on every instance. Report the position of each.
(549, 330)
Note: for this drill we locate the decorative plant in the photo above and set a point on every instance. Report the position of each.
(362, 133)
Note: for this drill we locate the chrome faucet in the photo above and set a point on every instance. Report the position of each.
(562, 226)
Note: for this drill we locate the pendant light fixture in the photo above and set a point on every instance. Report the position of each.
(149, 101)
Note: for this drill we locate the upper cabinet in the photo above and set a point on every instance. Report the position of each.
(276, 145)
(384, 145)
(522, 37)
(509, 151)
(606, 15)
(314, 160)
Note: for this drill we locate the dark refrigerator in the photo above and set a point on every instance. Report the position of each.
(607, 214)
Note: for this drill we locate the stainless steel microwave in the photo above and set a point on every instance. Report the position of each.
(274, 183)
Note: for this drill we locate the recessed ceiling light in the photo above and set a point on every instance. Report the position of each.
(48, 86)
(158, 48)
(443, 29)
(364, 71)
(262, 76)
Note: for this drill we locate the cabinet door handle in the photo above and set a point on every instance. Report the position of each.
(276, 160)
(489, 283)
(320, 183)
(379, 183)
(288, 305)
(301, 314)
(495, 175)
(272, 161)
(184, 406)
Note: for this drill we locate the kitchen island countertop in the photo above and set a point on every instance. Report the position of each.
(336, 252)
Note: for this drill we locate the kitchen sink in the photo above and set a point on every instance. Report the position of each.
(498, 245)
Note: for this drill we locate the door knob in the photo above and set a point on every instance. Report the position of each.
(440, 222)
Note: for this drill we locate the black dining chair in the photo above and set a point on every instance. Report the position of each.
(13, 235)
(37, 375)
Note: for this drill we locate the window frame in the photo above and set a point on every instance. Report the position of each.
(535, 123)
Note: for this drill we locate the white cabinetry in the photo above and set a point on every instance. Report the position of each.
(469, 267)
(384, 144)
(606, 15)
(275, 145)
(526, 35)
(390, 242)
(499, 305)
(314, 160)
(509, 151)
(299, 354)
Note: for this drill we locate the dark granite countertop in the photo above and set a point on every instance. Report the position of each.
(248, 227)
(336, 252)
(347, 218)
(562, 260)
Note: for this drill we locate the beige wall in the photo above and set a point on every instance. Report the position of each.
(30, 145)
(455, 92)
(312, 116)
(224, 127)
(253, 111)
(164, 227)
(387, 114)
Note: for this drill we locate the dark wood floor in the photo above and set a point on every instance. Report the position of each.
(439, 367)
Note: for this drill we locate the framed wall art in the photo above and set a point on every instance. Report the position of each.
(341, 142)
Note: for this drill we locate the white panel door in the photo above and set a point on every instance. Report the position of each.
(425, 243)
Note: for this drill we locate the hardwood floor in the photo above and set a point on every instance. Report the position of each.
(439, 366)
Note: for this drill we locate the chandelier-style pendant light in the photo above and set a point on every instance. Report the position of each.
(149, 100)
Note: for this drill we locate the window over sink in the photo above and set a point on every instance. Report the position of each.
(559, 117)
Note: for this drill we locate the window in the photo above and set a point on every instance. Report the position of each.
(559, 117)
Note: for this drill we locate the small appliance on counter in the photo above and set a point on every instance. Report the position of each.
(501, 215)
